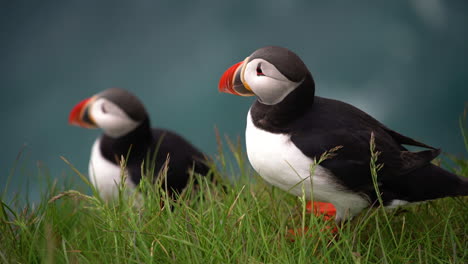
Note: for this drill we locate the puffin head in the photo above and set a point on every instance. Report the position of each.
(116, 111)
(270, 73)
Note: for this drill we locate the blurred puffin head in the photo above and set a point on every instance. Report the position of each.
(270, 73)
(116, 111)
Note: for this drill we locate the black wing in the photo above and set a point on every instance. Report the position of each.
(183, 157)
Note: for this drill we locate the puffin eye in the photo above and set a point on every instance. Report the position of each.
(259, 70)
(103, 108)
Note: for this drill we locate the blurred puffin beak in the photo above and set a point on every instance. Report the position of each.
(80, 116)
(233, 82)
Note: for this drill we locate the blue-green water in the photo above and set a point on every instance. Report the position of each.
(404, 62)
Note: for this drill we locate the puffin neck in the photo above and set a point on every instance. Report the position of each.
(139, 140)
(277, 118)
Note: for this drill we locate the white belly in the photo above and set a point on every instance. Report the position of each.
(105, 175)
(279, 162)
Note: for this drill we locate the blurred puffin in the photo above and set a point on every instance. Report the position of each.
(127, 130)
(287, 126)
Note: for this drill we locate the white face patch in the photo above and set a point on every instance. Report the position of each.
(111, 118)
(268, 84)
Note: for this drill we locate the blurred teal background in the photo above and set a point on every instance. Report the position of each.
(404, 62)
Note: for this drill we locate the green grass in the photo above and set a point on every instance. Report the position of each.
(240, 221)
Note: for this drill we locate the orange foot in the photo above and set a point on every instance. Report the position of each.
(326, 210)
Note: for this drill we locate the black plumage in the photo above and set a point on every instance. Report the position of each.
(327, 123)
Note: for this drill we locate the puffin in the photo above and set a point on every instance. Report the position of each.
(127, 134)
(289, 129)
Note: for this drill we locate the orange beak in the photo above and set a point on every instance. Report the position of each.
(232, 80)
(79, 115)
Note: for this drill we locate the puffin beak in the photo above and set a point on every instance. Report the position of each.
(232, 80)
(80, 116)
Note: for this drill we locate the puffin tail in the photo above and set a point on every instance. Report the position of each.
(432, 182)
(463, 190)
(201, 167)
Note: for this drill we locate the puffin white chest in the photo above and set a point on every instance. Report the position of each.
(105, 175)
(281, 163)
